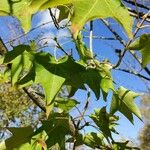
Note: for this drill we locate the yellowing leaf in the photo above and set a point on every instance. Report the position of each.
(142, 44)
(86, 10)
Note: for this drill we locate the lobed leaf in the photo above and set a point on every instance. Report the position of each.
(142, 44)
(123, 101)
(86, 10)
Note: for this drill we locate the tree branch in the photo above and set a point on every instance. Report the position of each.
(134, 73)
(130, 41)
(138, 4)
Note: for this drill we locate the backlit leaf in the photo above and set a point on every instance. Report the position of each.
(86, 10)
(142, 44)
(123, 101)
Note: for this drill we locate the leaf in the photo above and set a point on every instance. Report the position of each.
(56, 127)
(123, 146)
(4, 8)
(76, 74)
(54, 3)
(19, 137)
(64, 13)
(94, 140)
(123, 101)
(16, 69)
(65, 104)
(18, 50)
(86, 10)
(39, 73)
(101, 119)
(30, 7)
(142, 44)
(20, 60)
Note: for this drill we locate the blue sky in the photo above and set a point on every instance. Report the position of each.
(104, 49)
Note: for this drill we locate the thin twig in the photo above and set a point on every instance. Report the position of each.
(130, 41)
(22, 35)
(137, 10)
(100, 38)
(138, 4)
(60, 47)
(134, 73)
(117, 36)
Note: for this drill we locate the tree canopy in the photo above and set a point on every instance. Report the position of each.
(50, 81)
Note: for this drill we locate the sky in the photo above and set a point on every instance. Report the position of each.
(104, 50)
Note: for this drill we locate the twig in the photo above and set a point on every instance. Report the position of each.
(134, 73)
(100, 38)
(117, 36)
(133, 13)
(54, 19)
(81, 118)
(22, 35)
(130, 41)
(138, 4)
(60, 47)
(36, 99)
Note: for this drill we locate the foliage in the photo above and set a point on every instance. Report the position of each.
(27, 67)
(142, 44)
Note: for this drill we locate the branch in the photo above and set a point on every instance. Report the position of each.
(138, 4)
(138, 15)
(22, 35)
(117, 36)
(130, 41)
(36, 99)
(134, 73)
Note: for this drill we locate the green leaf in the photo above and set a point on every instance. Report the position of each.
(4, 8)
(101, 119)
(123, 146)
(18, 50)
(19, 137)
(76, 74)
(56, 127)
(54, 3)
(142, 44)
(64, 12)
(85, 10)
(30, 7)
(39, 73)
(65, 104)
(51, 82)
(16, 69)
(94, 140)
(20, 60)
(123, 101)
